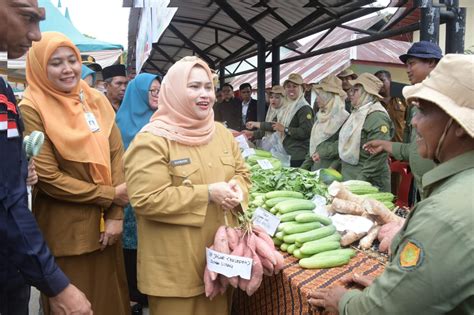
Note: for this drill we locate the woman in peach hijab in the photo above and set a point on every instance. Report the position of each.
(183, 170)
(80, 193)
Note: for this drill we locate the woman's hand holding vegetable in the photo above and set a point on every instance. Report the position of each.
(113, 230)
(227, 195)
(121, 196)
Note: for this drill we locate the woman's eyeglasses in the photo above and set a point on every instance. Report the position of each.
(154, 92)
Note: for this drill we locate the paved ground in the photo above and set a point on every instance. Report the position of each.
(34, 303)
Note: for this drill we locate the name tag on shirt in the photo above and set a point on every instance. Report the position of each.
(91, 122)
(180, 162)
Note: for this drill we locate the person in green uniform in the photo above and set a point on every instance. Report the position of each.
(430, 271)
(323, 145)
(265, 128)
(421, 59)
(296, 120)
(369, 120)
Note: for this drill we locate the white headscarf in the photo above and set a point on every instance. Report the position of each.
(329, 120)
(349, 136)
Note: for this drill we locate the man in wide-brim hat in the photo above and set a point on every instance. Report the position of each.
(430, 271)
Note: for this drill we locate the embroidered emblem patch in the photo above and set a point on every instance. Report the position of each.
(309, 116)
(384, 129)
(411, 255)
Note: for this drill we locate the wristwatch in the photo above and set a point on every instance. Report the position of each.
(287, 131)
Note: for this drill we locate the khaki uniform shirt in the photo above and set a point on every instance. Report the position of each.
(431, 269)
(372, 168)
(168, 188)
(66, 202)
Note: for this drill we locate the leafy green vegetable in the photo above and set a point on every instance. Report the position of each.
(288, 178)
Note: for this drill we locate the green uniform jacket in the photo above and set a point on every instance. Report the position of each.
(409, 152)
(372, 168)
(296, 142)
(431, 270)
(328, 154)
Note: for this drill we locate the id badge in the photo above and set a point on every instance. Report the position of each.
(91, 122)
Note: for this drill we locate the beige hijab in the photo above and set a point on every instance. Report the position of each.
(328, 121)
(291, 108)
(349, 136)
(176, 119)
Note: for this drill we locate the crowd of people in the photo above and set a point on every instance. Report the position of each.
(136, 175)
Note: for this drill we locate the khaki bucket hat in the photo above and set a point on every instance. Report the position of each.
(332, 84)
(295, 78)
(370, 82)
(450, 87)
(277, 89)
(345, 73)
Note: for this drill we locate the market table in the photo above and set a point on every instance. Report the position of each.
(286, 293)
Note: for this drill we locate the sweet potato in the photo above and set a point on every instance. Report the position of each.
(238, 251)
(263, 235)
(216, 290)
(267, 265)
(280, 262)
(212, 273)
(257, 275)
(232, 238)
(263, 250)
(208, 283)
(221, 243)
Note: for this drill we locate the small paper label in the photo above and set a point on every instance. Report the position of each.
(266, 220)
(91, 122)
(248, 152)
(229, 265)
(242, 140)
(320, 202)
(265, 164)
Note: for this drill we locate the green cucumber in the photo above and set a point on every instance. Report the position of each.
(341, 251)
(294, 205)
(291, 248)
(290, 216)
(301, 227)
(315, 234)
(284, 247)
(312, 248)
(297, 253)
(270, 203)
(315, 262)
(283, 193)
(311, 217)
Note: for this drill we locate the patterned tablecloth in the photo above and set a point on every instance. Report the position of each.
(286, 293)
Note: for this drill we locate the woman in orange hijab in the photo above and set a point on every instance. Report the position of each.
(183, 170)
(80, 193)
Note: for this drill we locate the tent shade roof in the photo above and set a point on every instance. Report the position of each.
(224, 32)
(56, 21)
(315, 68)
